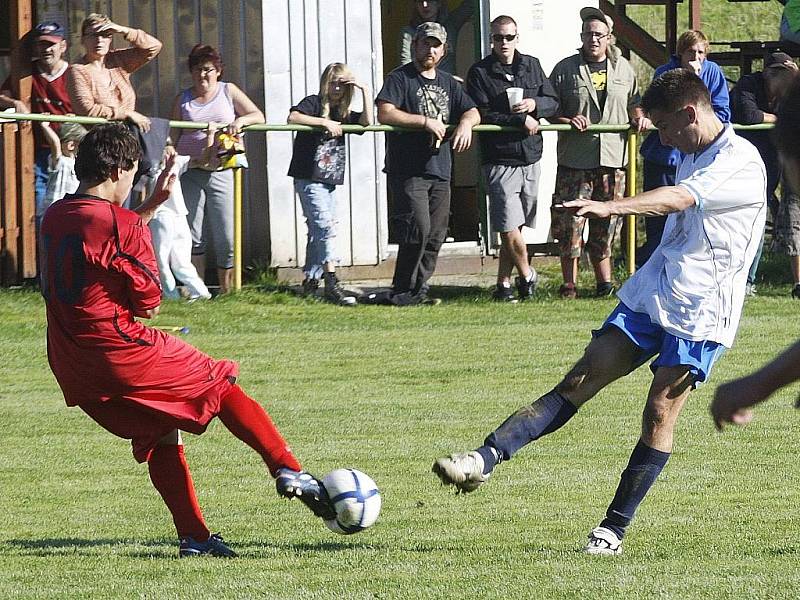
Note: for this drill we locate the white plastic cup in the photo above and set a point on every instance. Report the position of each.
(514, 95)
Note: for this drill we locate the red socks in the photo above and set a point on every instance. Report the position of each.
(170, 476)
(248, 421)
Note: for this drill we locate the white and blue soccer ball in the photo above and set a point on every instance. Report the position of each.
(356, 499)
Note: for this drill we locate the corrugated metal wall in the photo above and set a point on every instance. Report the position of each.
(233, 26)
(306, 35)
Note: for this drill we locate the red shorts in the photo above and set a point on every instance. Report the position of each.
(142, 425)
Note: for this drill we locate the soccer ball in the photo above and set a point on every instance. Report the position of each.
(356, 499)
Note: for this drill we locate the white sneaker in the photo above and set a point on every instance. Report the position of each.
(603, 541)
(463, 470)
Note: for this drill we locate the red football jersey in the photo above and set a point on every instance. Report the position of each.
(98, 272)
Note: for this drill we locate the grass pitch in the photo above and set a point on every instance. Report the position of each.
(387, 391)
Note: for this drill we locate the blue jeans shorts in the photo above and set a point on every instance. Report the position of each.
(652, 340)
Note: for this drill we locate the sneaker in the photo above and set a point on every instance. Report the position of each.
(526, 287)
(750, 290)
(213, 546)
(310, 286)
(568, 291)
(463, 470)
(425, 300)
(603, 541)
(335, 293)
(503, 293)
(299, 484)
(796, 291)
(604, 289)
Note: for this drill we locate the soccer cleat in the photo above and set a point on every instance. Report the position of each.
(603, 541)
(462, 470)
(750, 289)
(503, 293)
(526, 287)
(214, 546)
(335, 293)
(299, 484)
(796, 291)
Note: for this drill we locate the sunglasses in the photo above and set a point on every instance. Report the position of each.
(588, 35)
(499, 37)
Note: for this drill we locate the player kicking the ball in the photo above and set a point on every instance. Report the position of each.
(98, 273)
(682, 307)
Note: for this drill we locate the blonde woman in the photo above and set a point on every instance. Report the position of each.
(318, 165)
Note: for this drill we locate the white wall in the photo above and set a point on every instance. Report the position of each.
(301, 37)
(548, 30)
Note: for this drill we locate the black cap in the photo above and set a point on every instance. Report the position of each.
(777, 60)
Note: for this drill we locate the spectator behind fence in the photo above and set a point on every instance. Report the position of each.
(733, 400)
(595, 86)
(660, 161)
(755, 99)
(790, 24)
(436, 11)
(61, 169)
(209, 193)
(511, 159)
(318, 166)
(46, 45)
(100, 83)
(419, 163)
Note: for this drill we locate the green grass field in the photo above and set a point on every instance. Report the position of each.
(387, 391)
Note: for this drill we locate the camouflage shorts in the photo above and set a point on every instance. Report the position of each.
(601, 184)
(786, 235)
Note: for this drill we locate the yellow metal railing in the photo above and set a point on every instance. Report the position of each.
(633, 138)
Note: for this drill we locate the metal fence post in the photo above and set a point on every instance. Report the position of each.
(633, 140)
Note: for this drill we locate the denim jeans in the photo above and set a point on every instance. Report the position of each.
(40, 175)
(319, 209)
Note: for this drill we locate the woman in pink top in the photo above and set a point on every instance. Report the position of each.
(99, 84)
(209, 193)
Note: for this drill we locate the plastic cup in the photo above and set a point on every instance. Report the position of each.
(514, 95)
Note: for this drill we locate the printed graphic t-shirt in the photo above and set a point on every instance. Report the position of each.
(410, 154)
(307, 143)
(599, 74)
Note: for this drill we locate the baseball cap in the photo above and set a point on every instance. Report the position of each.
(431, 29)
(51, 32)
(777, 60)
(590, 13)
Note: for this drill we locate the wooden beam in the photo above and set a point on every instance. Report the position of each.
(21, 21)
(633, 36)
(696, 14)
(671, 27)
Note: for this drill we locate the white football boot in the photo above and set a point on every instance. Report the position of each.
(603, 541)
(463, 470)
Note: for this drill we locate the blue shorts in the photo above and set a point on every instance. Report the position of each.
(672, 351)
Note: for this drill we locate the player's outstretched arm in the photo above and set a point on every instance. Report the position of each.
(161, 191)
(661, 201)
(733, 400)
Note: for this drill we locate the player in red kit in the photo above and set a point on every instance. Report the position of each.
(98, 273)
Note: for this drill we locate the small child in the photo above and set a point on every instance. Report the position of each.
(63, 147)
(172, 241)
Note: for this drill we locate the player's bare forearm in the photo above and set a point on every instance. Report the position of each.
(658, 202)
(781, 371)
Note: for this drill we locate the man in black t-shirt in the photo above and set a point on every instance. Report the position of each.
(417, 96)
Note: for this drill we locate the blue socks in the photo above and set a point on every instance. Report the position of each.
(643, 468)
(529, 423)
